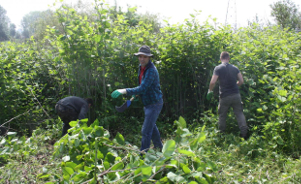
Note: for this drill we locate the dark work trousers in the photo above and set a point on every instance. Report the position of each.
(66, 114)
(233, 101)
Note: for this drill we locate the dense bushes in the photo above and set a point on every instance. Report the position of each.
(90, 59)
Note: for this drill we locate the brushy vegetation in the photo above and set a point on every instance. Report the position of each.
(91, 155)
(91, 55)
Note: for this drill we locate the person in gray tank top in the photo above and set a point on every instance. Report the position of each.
(230, 78)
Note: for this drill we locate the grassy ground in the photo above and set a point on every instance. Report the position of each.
(250, 161)
(237, 161)
(31, 161)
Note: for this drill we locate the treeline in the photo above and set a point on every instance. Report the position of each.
(90, 55)
(285, 12)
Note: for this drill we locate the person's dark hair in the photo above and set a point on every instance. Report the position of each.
(89, 101)
(225, 55)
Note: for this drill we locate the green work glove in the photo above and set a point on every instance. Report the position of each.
(136, 98)
(118, 92)
(209, 95)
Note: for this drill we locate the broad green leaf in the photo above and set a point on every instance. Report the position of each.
(137, 171)
(173, 163)
(146, 170)
(87, 169)
(99, 155)
(279, 140)
(3, 141)
(186, 152)
(119, 138)
(93, 181)
(110, 158)
(194, 144)
(202, 137)
(99, 132)
(43, 176)
(150, 157)
(175, 178)
(106, 165)
(79, 166)
(186, 169)
(73, 123)
(164, 180)
(186, 133)
(118, 166)
(95, 124)
(282, 93)
(169, 148)
(80, 176)
(87, 130)
(84, 122)
(209, 178)
(198, 164)
(212, 166)
(67, 171)
(259, 110)
(202, 180)
(71, 165)
(282, 99)
(203, 128)
(182, 122)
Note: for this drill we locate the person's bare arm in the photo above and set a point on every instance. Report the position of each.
(240, 79)
(212, 82)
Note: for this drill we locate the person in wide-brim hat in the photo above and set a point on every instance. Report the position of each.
(149, 91)
(144, 50)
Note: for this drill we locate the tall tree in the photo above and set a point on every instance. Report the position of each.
(12, 30)
(134, 18)
(28, 23)
(35, 23)
(286, 14)
(4, 23)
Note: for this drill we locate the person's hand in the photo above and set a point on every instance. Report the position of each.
(136, 98)
(118, 92)
(209, 95)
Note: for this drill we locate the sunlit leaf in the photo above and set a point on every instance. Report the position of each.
(168, 148)
(119, 138)
(175, 178)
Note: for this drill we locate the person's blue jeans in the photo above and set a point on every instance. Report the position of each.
(150, 131)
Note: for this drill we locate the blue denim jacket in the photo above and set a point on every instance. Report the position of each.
(149, 89)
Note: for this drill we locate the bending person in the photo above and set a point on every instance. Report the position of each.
(72, 108)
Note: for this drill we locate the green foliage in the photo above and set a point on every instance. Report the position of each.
(286, 14)
(4, 25)
(91, 57)
(26, 77)
(35, 23)
(270, 67)
(90, 156)
(28, 160)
